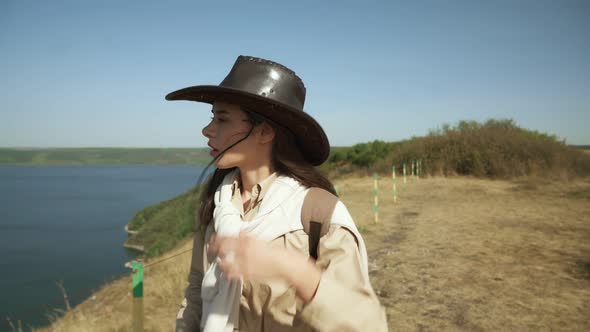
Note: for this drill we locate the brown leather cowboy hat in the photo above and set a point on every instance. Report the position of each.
(269, 89)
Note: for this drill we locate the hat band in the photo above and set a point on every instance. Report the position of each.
(259, 118)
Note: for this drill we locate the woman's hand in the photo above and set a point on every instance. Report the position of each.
(247, 257)
(256, 260)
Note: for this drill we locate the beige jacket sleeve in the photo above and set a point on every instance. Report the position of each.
(189, 315)
(344, 300)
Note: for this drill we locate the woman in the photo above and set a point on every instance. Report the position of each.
(276, 250)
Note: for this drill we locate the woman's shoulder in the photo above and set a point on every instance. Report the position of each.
(318, 206)
(319, 195)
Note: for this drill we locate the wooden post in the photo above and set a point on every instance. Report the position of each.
(419, 168)
(404, 165)
(376, 206)
(394, 185)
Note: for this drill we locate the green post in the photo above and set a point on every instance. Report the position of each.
(137, 282)
(336, 189)
(137, 279)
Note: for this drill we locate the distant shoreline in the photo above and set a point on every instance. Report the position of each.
(103, 156)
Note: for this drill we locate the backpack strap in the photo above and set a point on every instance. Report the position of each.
(314, 238)
(316, 213)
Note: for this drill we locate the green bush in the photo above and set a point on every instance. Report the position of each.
(494, 149)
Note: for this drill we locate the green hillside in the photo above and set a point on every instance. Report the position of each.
(494, 149)
(162, 225)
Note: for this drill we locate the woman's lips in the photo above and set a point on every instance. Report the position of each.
(213, 153)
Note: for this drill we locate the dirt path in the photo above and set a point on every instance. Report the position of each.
(478, 255)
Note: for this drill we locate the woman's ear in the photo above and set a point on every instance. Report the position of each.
(266, 133)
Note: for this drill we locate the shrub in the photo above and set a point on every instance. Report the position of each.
(493, 149)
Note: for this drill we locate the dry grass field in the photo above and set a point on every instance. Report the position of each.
(454, 254)
(480, 255)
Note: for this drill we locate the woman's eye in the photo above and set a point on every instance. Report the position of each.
(218, 119)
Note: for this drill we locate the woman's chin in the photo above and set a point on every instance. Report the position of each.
(224, 162)
(222, 165)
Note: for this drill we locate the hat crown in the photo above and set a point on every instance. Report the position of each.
(267, 79)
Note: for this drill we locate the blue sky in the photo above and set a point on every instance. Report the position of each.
(86, 73)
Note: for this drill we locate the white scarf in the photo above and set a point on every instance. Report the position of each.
(279, 214)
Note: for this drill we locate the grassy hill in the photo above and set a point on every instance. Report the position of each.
(162, 226)
(105, 156)
(494, 149)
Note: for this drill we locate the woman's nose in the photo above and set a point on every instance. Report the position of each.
(207, 131)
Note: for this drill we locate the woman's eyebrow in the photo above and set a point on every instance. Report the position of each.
(219, 111)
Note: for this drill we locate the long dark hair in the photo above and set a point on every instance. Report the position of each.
(287, 160)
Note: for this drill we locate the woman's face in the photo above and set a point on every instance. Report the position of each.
(228, 125)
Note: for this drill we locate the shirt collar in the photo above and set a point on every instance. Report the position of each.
(259, 190)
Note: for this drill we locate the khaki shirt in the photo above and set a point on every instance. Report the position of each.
(344, 300)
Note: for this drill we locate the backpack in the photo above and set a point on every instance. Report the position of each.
(316, 213)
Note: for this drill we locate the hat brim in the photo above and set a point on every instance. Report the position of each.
(310, 136)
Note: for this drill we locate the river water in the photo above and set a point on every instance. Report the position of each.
(66, 223)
